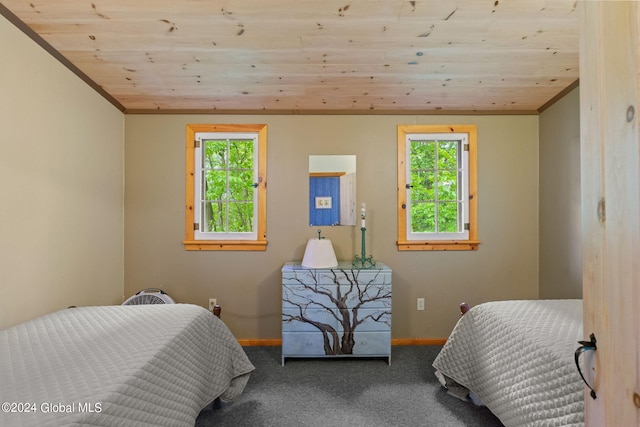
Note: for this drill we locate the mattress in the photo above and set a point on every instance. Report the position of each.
(136, 365)
(518, 358)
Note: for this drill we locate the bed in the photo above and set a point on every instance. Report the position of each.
(517, 358)
(138, 365)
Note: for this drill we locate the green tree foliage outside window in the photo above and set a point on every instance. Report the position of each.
(228, 166)
(435, 186)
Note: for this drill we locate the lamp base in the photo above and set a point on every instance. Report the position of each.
(363, 262)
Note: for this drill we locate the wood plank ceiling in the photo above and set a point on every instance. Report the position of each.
(314, 56)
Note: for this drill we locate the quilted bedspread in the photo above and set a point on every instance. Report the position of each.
(142, 365)
(518, 358)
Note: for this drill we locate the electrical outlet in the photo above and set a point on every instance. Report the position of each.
(421, 304)
(212, 303)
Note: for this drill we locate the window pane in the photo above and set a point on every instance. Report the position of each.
(240, 187)
(448, 217)
(240, 154)
(214, 216)
(447, 154)
(240, 217)
(215, 184)
(215, 154)
(447, 185)
(423, 218)
(423, 186)
(422, 155)
(227, 176)
(228, 193)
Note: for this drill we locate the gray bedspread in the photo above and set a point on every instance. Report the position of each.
(518, 358)
(144, 365)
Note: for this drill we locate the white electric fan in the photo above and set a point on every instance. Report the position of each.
(149, 296)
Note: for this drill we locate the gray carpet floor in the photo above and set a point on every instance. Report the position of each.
(345, 392)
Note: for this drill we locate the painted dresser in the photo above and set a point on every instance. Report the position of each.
(336, 312)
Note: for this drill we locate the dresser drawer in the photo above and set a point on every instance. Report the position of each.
(372, 343)
(351, 276)
(375, 320)
(296, 277)
(291, 321)
(296, 295)
(302, 344)
(372, 319)
(370, 296)
(312, 344)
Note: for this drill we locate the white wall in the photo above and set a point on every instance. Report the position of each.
(560, 200)
(61, 186)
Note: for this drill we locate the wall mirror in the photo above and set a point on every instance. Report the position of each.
(332, 190)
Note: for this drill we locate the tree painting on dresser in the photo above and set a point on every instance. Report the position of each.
(338, 297)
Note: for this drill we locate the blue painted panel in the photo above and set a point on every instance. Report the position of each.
(324, 187)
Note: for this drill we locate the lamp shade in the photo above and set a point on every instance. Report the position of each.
(319, 254)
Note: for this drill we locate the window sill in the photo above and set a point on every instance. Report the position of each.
(224, 245)
(439, 245)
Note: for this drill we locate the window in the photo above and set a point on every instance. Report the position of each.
(437, 187)
(226, 187)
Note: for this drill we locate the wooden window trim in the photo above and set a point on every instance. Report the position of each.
(190, 244)
(470, 244)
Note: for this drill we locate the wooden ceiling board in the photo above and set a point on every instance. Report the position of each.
(366, 55)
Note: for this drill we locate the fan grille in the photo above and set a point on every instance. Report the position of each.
(144, 297)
